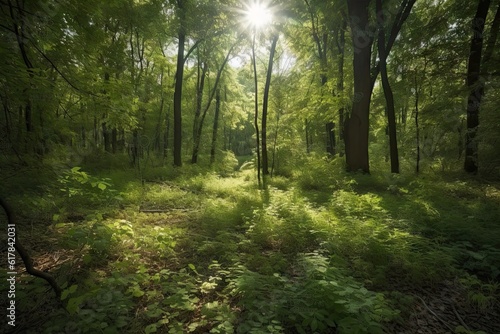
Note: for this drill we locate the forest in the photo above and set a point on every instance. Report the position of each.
(250, 166)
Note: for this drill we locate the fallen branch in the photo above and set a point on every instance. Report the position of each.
(459, 317)
(435, 315)
(28, 262)
(153, 210)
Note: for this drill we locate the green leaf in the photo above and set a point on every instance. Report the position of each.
(314, 324)
(151, 329)
(101, 186)
(138, 293)
(69, 291)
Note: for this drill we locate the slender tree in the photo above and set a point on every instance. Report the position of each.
(256, 111)
(265, 103)
(179, 75)
(215, 127)
(389, 97)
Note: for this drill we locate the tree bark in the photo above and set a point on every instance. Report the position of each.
(340, 83)
(330, 138)
(256, 116)
(475, 85)
(200, 85)
(179, 76)
(417, 126)
(357, 125)
(389, 98)
(215, 127)
(265, 103)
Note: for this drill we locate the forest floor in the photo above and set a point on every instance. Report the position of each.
(197, 252)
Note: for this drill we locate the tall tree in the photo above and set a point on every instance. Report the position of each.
(215, 127)
(256, 107)
(179, 76)
(199, 120)
(265, 103)
(389, 97)
(475, 82)
(357, 124)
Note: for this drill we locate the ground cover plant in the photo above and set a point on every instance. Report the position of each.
(203, 253)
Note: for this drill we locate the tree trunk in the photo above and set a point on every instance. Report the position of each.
(106, 137)
(475, 85)
(265, 103)
(179, 75)
(200, 85)
(201, 120)
(114, 140)
(256, 116)
(166, 135)
(389, 98)
(340, 83)
(357, 126)
(308, 150)
(330, 139)
(215, 127)
(417, 125)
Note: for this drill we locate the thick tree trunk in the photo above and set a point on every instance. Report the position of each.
(179, 76)
(389, 98)
(265, 103)
(357, 126)
(475, 85)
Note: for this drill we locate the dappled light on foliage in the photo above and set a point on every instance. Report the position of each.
(250, 166)
(219, 255)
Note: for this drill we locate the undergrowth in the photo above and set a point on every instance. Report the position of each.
(316, 252)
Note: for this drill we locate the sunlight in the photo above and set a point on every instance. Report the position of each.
(258, 14)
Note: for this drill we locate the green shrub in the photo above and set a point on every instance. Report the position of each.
(317, 298)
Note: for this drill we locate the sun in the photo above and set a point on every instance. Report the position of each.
(258, 15)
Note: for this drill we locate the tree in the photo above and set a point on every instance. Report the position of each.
(265, 103)
(357, 124)
(179, 75)
(475, 82)
(389, 98)
(199, 119)
(256, 108)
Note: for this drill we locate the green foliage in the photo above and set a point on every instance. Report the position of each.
(79, 189)
(224, 257)
(481, 295)
(226, 163)
(317, 298)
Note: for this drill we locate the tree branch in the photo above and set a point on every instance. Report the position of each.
(28, 262)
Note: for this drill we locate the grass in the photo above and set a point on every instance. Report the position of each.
(317, 251)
